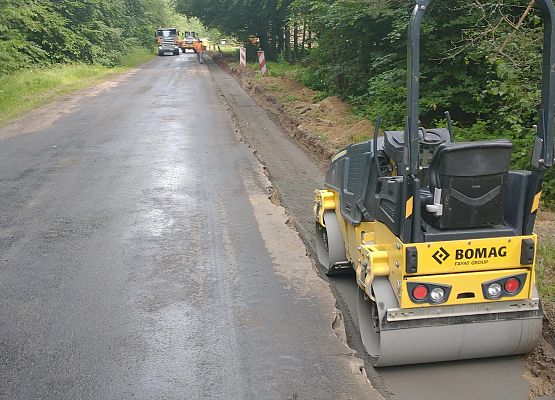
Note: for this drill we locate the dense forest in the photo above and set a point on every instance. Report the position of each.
(481, 59)
(39, 32)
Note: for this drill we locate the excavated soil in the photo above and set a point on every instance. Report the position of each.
(322, 127)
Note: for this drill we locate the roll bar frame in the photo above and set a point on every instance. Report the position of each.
(546, 123)
(543, 153)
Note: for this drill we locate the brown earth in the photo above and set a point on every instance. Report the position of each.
(322, 127)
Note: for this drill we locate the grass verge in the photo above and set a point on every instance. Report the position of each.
(228, 50)
(545, 269)
(27, 89)
(282, 69)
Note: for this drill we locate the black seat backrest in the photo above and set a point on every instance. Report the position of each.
(472, 177)
(355, 181)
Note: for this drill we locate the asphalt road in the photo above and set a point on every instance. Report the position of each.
(142, 258)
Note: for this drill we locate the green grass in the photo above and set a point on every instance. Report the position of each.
(283, 69)
(228, 49)
(275, 69)
(137, 56)
(290, 98)
(253, 66)
(28, 89)
(360, 137)
(545, 270)
(273, 88)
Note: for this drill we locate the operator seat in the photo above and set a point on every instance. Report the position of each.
(467, 181)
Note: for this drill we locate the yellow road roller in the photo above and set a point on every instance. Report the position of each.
(439, 232)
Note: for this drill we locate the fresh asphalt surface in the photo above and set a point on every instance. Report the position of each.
(141, 258)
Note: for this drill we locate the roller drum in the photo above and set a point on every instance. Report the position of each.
(329, 243)
(456, 341)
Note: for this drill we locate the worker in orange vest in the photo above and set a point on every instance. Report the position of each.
(199, 48)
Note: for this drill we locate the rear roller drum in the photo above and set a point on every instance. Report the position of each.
(329, 244)
(424, 341)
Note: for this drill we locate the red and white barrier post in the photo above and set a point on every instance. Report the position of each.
(262, 62)
(243, 56)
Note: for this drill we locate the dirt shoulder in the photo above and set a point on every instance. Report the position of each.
(322, 126)
(319, 126)
(60, 105)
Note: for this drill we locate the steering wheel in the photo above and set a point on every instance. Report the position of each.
(429, 138)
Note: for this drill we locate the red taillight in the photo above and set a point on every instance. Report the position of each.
(512, 285)
(420, 292)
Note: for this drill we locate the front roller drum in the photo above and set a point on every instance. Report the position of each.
(429, 343)
(329, 244)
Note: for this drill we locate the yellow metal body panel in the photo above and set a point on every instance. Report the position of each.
(536, 203)
(465, 265)
(377, 239)
(324, 200)
(408, 207)
(374, 251)
(458, 256)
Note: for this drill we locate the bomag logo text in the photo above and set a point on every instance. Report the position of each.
(482, 252)
(479, 255)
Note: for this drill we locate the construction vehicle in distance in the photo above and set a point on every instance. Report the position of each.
(440, 233)
(188, 42)
(167, 41)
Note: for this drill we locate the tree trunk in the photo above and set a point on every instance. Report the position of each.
(304, 37)
(264, 45)
(275, 40)
(295, 42)
(287, 43)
